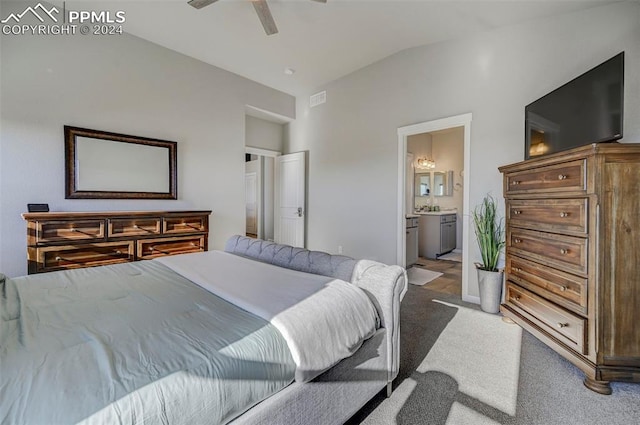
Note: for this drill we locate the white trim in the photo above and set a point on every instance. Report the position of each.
(261, 152)
(463, 120)
(263, 114)
(471, 299)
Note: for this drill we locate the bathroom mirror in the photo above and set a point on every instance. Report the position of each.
(422, 184)
(101, 165)
(443, 183)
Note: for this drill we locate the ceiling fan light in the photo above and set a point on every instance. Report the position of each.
(199, 4)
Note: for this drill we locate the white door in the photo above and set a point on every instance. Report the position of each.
(251, 197)
(289, 196)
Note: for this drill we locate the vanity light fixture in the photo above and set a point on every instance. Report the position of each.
(426, 163)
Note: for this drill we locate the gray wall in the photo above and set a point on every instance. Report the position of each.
(352, 139)
(264, 134)
(126, 85)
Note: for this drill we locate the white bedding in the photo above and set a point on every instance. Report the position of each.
(323, 319)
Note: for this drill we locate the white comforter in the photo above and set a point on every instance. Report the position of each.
(323, 320)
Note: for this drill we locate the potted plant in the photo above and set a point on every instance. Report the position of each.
(490, 234)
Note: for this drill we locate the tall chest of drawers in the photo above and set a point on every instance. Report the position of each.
(573, 257)
(69, 240)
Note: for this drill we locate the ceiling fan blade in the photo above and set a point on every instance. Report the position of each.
(262, 9)
(199, 4)
(320, 1)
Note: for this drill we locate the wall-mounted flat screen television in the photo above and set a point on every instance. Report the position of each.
(586, 110)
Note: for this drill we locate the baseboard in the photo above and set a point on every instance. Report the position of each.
(471, 299)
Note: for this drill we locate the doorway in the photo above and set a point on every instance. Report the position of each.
(259, 192)
(404, 205)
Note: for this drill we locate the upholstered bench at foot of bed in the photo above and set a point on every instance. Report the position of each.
(385, 285)
(300, 259)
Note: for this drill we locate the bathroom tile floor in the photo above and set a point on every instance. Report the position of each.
(451, 280)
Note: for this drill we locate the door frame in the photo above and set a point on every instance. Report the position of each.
(258, 197)
(261, 153)
(463, 120)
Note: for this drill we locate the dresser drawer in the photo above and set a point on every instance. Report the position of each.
(559, 323)
(568, 290)
(152, 248)
(71, 257)
(554, 215)
(68, 230)
(184, 224)
(564, 177)
(567, 253)
(134, 227)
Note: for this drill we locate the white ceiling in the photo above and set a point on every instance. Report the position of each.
(322, 42)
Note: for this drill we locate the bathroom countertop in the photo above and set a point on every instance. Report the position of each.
(441, 212)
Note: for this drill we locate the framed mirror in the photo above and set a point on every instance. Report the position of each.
(422, 185)
(102, 165)
(443, 183)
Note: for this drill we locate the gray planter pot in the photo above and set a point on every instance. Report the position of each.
(490, 284)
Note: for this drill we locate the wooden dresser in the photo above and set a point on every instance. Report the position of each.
(68, 240)
(573, 257)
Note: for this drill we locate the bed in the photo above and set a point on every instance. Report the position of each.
(257, 333)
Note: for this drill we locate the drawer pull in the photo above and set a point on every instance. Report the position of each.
(153, 249)
(564, 251)
(516, 298)
(517, 240)
(193, 244)
(562, 176)
(563, 288)
(515, 182)
(118, 252)
(58, 258)
(517, 269)
(517, 212)
(564, 214)
(135, 226)
(563, 325)
(74, 230)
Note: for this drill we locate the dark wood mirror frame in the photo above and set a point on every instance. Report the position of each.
(72, 185)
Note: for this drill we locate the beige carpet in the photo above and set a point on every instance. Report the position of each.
(477, 351)
(419, 276)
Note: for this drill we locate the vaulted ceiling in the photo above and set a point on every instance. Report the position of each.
(320, 41)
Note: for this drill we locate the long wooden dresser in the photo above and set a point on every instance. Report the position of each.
(573, 257)
(67, 240)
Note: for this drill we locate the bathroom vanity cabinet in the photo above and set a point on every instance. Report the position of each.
(437, 234)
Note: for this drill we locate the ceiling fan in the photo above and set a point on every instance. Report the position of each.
(261, 7)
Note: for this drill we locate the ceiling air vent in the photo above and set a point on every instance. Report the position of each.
(318, 99)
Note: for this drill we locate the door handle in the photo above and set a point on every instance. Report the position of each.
(299, 211)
